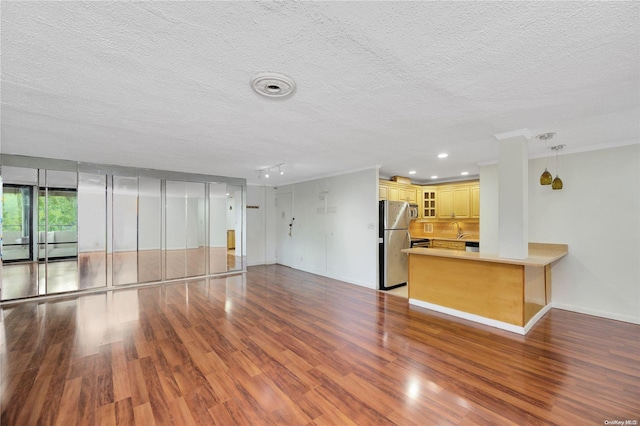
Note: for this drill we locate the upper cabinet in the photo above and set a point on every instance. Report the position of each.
(429, 202)
(394, 191)
(449, 201)
(475, 200)
(459, 201)
(454, 202)
(383, 190)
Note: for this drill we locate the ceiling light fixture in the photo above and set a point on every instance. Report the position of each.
(464, 173)
(266, 171)
(557, 182)
(434, 177)
(273, 85)
(545, 177)
(443, 155)
(412, 172)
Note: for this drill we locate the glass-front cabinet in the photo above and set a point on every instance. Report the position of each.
(69, 226)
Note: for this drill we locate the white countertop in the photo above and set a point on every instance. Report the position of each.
(540, 254)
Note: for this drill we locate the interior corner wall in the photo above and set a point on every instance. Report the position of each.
(260, 210)
(597, 214)
(335, 230)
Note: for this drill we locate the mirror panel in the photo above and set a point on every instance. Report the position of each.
(67, 231)
(20, 274)
(234, 228)
(175, 229)
(195, 229)
(58, 232)
(125, 230)
(149, 230)
(217, 227)
(92, 226)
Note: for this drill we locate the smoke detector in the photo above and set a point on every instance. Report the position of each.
(273, 85)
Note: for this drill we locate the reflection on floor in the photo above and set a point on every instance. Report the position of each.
(91, 270)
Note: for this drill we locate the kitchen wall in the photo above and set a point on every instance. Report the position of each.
(597, 214)
(335, 232)
(445, 229)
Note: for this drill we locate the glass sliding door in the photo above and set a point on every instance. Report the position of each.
(125, 230)
(149, 229)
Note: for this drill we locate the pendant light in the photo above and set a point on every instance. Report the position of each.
(557, 182)
(545, 178)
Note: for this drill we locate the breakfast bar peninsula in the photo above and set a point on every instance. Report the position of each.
(511, 294)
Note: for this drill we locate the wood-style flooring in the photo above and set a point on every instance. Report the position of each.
(282, 347)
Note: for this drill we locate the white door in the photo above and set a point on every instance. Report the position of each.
(285, 229)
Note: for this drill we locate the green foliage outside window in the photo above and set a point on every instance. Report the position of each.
(12, 211)
(62, 212)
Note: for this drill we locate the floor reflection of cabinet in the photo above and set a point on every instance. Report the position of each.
(231, 239)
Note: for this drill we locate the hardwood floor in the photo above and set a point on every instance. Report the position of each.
(283, 347)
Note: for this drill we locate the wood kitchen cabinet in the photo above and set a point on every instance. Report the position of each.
(393, 191)
(451, 245)
(383, 191)
(454, 202)
(475, 200)
(429, 204)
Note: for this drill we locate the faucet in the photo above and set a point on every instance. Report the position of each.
(458, 230)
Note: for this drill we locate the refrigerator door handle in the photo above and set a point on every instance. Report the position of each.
(408, 240)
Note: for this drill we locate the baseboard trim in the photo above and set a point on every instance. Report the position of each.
(596, 313)
(472, 317)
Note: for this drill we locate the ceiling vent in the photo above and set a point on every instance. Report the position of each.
(273, 85)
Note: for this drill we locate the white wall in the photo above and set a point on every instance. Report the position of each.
(335, 228)
(597, 214)
(261, 225)
(489, 209)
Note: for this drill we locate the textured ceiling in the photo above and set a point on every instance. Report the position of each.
(165, 85)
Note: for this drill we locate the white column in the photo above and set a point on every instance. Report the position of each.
(513, 195)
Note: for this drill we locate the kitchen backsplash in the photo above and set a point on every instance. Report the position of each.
(444, 229)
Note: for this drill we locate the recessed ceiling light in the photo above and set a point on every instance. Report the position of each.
(464, 173)
(434, 177)
(412, 172)
(443, 155)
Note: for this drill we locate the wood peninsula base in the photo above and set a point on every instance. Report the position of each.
(510, 294)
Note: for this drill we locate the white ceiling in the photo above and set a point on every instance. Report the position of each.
(165, 85)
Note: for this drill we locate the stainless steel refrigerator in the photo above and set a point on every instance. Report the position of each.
(393, 236)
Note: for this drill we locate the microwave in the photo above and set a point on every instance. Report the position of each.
(413, 211)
